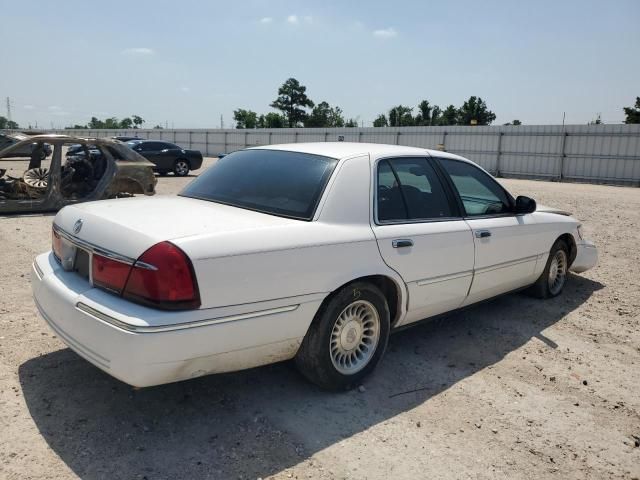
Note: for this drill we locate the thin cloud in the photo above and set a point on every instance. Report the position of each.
(54, 108)
(266, 20)
(29, 107)
(293, 19)
(138, 51)
(185, 89)
(308, 19)
(385, 33)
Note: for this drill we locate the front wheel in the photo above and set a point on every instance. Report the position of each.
(181, 168)
(347, 338)
(554, 275)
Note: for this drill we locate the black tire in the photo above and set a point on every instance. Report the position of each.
(181, 168)
(544, 287)
(43, 155)
(315, 359)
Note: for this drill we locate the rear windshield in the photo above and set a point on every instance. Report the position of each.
(281, 183)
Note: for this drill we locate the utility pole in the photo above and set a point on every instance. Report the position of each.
(8, 109)
(221, 122)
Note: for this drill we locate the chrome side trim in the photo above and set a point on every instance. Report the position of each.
(444, 278)
(179, 326)
(38, 270)
(92, 248)
(510, 263)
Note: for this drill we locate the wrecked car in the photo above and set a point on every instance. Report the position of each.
(8, 139)
(102, 168)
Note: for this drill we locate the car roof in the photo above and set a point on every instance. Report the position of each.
(341, 150)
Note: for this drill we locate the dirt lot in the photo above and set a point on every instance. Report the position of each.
(516, 388)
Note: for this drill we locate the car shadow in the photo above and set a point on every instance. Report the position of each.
(259, 422)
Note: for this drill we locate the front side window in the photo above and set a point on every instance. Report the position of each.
(480, 194)
(409, 189)
(287, 184)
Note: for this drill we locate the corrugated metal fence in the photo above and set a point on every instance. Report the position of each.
(587, 153)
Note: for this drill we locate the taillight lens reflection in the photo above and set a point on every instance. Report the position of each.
(109, 274)
(163, 277)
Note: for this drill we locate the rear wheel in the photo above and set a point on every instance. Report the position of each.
(181, 168)
(347, 338)
(554, 275)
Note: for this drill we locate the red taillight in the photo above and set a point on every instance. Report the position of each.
(109, 274)
(163, 277)
(56, 244)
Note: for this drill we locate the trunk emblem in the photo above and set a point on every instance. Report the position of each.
(77, 226)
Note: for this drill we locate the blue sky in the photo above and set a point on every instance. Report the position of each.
(187, 62)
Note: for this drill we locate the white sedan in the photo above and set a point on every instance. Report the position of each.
(312, 251)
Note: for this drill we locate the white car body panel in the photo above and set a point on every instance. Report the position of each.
(437, 269)
(262, 278)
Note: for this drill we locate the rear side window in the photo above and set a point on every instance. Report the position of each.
(281, 183)
(409, 189)
(150, 146)
(480, 194)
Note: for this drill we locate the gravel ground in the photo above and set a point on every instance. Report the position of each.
(515, 388)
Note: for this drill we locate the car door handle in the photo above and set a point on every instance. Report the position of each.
(402, 242)
(482, 233)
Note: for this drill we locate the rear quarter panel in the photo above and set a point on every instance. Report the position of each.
(281, 262)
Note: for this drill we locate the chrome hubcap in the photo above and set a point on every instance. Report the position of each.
(557, 272)
(354, 337)
(182, 168)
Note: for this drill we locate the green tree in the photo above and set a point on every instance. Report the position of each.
(245, 118)
(424, 113)
(292, 100)
(137, 121)
(449, 116)
(381, 121)
(401, 116)
(436, 114)
(515, 122)
(323, 115)
(112, 123)
(6, 123)
(95, 123)
(158, 127)
(126, 123)
(633, 113)
(475, 109)
(273, 120)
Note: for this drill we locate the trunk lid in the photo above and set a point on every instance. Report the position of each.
(130, 226)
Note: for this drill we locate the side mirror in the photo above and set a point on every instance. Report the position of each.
(525, 204)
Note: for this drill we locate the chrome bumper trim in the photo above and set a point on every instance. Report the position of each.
(38, 270)
(91, 248)
(179, 326)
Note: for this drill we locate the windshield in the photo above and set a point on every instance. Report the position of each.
(281, 183)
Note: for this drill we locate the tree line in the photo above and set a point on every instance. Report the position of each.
(113, 123)
(294, 105)
(296, 109)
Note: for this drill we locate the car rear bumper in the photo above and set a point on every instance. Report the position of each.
(195, 163)
(105, 330)
(586, 257)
